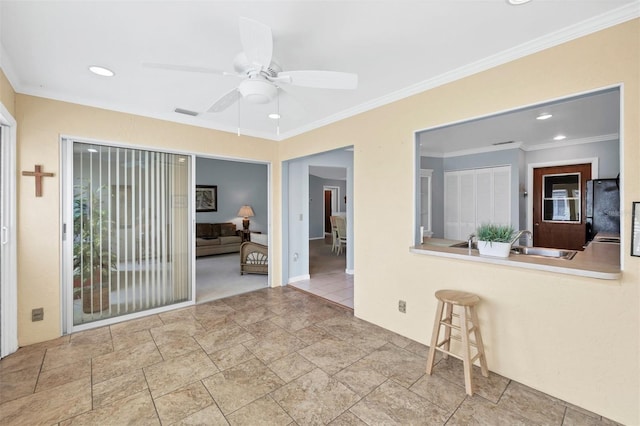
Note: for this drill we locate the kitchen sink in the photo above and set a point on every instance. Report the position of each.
(544, 252)
(474, 245)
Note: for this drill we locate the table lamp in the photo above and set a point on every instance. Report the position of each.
(245, 212)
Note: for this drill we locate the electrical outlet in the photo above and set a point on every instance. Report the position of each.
(402, 306)
(37, 314)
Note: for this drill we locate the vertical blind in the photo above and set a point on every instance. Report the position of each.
(131, 231)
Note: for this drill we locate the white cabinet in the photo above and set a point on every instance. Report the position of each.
(473, 197)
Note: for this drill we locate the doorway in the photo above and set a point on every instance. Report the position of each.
(559, 206)
(331, 205)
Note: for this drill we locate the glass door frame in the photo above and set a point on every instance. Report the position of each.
(66, 235)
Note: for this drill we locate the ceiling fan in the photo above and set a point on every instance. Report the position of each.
(260, 74)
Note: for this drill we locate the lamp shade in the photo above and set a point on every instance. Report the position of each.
(245, 211)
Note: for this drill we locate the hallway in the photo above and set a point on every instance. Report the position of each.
(328, 277)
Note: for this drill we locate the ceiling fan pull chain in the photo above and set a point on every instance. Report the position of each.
(238, 117)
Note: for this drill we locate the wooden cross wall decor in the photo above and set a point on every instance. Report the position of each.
(39, 174)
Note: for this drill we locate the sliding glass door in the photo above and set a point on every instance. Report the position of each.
(130, 232)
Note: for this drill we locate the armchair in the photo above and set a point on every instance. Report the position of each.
(254, 255)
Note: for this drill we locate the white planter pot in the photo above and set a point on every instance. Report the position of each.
(487, 248)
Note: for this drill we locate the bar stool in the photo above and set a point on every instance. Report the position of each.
(447, 299)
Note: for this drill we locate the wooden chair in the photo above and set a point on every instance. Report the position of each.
(341, 233)
(466, 304)
(334, 234)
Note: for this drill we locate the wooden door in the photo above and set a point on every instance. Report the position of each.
(559, 206)
(327, 211)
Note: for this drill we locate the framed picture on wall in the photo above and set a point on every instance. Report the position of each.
(206, 198)
(635, 229)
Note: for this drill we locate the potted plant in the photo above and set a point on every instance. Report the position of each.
(92, 259)
(494, 240)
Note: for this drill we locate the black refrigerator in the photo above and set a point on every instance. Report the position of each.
(603, 207)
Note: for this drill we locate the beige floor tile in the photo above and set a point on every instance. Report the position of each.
(167, 376)
(263, 411)
(135, 409)
(347, 419)
(50, 406)
(360, 378)
(182, 402)
(178, 315)
(260, 328)
(356, 332)
(332, 355)
(177, 344)
(251, 315)
(126, 340)
(293, 322)
(533, 405)
(135, 325)
(19, 383)
(230, 357)
(311, 334)
(210, 416)
(118, 388)
(225, 337)
(185, 327)
(392, 404)
(95, 335)
(67, 373)
(291, 367)
(396, 363)
(315, 398)
(274, 345)
(120, 362)
(490, 388)
(75, 352)
(477, 411)
(242, 384)
(21, 359)
(441, 392)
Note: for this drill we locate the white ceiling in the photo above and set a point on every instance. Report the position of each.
(333, 173)
(397, 48)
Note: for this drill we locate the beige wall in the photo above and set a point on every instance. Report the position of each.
(41, 122)
(574, 338)
(7, 94)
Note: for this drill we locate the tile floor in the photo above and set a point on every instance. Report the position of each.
(270, 357)
(327, 274)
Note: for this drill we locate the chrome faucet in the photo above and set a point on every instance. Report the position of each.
(470, 240)
(520, 234)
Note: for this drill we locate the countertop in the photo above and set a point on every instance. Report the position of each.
(598, 260)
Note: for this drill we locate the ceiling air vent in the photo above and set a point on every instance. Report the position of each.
(502, 143)
(185, 112)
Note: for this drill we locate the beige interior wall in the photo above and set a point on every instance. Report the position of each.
(41, 122)
(574, 338)
(7, 94)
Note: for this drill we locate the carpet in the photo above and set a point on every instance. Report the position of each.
(219, 276)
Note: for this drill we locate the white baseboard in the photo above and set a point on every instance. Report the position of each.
(316, 238)
(348, 271)
(299, 278)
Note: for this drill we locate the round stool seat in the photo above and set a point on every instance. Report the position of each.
(455, 297)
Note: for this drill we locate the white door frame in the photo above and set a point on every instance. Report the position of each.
(8, 279)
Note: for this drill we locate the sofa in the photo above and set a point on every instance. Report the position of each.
(217, 238)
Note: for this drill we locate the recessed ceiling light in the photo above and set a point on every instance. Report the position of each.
(544, 116)
(92, 150)
(559, 138)
(101, 71)
(274, 116)
(517, 2)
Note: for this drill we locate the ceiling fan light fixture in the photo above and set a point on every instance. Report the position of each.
(257, 91)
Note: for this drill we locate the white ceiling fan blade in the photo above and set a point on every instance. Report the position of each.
(320, 79)
(257, 41)
(225, 101)
(187, 68)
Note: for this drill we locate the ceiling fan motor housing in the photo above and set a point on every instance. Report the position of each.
(257, 91)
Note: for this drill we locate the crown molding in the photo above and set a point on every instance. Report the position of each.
(581, 29)
(472, 151)
(570, 142)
